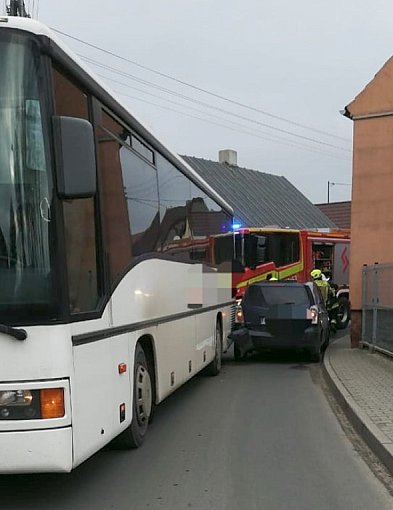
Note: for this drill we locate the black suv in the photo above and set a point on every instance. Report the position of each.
(281, 314)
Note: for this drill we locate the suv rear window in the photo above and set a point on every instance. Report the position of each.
(277, 295)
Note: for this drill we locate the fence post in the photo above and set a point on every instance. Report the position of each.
(375, 309)
(364, 302)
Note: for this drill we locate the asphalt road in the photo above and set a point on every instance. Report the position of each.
(259, 436)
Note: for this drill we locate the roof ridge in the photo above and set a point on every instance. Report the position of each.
(231, 166)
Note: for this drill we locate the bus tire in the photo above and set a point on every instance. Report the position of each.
(214, 367)
(343, 314)
(142, 404)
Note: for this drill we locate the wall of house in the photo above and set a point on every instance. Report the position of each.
(372, 203)
(372, 183)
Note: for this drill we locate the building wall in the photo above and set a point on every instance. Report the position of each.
(372, 199)
(372, 183)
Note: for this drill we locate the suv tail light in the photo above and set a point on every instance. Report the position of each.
(239, 317)
(313, 315)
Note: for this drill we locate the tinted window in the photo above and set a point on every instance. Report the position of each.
(117, 230)
(224, 249)
(151, 209)
(130, 197)
(208, 222)
(288, 294)
(283, 248)
(288, 248)
(175, 231)
(140, 183)
(258, 249)
(79, 215)
(254, 296)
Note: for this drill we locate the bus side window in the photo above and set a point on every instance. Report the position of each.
(116, 224)
(79, 214)
(129, 196)
(174, 196)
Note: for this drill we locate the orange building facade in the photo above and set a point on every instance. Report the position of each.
(372, 183)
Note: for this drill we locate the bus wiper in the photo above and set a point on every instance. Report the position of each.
(19, 334)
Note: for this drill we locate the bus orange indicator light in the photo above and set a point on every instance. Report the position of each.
(52, 403)
(122, 368)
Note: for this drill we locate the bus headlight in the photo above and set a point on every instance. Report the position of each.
(16, 398)
(32, 404)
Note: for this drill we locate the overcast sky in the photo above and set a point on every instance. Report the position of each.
(303, 61)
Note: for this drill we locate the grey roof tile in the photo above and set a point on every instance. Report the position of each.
(260, 199)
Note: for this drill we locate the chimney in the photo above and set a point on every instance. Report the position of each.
(228, 156)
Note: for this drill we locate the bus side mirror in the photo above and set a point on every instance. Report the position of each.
(75, 157)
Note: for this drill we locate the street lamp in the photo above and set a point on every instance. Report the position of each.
(330, 183)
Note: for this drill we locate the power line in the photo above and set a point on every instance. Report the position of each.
(242, 126)
(222, 110)
(200, 89)
(250, 133)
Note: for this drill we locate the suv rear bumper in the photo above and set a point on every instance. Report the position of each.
(250, 340)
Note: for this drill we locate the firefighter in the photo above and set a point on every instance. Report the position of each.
(329, 296)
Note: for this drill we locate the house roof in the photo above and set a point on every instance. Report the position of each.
(338, 212)
(377, 95)
(260, 199)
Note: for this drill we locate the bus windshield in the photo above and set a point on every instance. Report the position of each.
(26, 275)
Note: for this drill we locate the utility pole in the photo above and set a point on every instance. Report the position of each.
(330, 183)
(17, 8)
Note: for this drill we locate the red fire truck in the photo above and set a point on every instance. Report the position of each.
(261, 253)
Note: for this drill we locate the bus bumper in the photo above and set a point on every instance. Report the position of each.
(36, 451)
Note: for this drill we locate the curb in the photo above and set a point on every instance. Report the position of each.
(376, 440)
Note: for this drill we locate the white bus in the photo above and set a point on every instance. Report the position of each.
(109, 296)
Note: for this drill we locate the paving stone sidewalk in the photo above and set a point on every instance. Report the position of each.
(363, 383)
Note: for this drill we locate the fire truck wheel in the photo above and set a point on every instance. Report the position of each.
(343, 314)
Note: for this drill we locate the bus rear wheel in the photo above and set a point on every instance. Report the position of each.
(142, 406)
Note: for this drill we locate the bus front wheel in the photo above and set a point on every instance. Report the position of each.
(142, 404)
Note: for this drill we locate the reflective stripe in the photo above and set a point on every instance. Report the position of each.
(281, 275)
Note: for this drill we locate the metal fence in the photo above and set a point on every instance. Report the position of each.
(377, 307)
